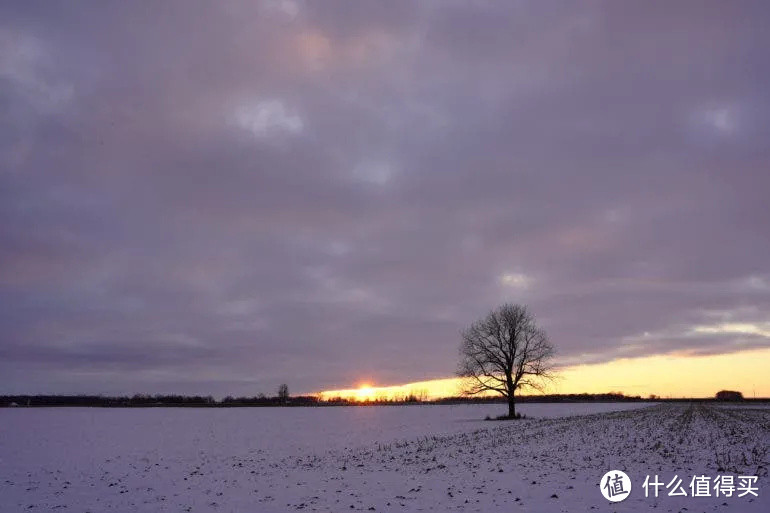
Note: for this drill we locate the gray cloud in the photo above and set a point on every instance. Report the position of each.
(218, 197)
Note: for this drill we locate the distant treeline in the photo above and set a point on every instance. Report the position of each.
(146, 401)
(140, 400)
(550, 398)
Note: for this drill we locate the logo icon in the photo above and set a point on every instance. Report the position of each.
(615, 485)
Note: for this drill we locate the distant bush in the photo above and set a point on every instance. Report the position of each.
(729, 395)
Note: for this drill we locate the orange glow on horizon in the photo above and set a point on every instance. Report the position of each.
(365, 393)
(673, 375)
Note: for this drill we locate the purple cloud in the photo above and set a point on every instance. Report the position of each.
(220, 197)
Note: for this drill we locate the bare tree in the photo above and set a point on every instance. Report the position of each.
(283, 393)
(503, 352)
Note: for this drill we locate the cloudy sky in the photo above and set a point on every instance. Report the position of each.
(217, 197)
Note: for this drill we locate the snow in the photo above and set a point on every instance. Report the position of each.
(390, 458)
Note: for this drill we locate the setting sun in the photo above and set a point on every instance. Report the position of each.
(365, 392)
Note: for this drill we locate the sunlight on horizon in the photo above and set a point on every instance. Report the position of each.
(365, 392)
(673, 375)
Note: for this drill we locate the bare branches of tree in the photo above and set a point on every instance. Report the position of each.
(504, 352)
(283, 393)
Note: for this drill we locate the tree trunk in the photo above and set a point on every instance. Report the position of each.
(511, 406)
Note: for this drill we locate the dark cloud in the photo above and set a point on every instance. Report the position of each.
(219, 197)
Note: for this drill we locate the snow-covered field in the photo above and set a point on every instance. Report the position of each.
(396, 458)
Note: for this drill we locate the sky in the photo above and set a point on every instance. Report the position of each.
(219, 197)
